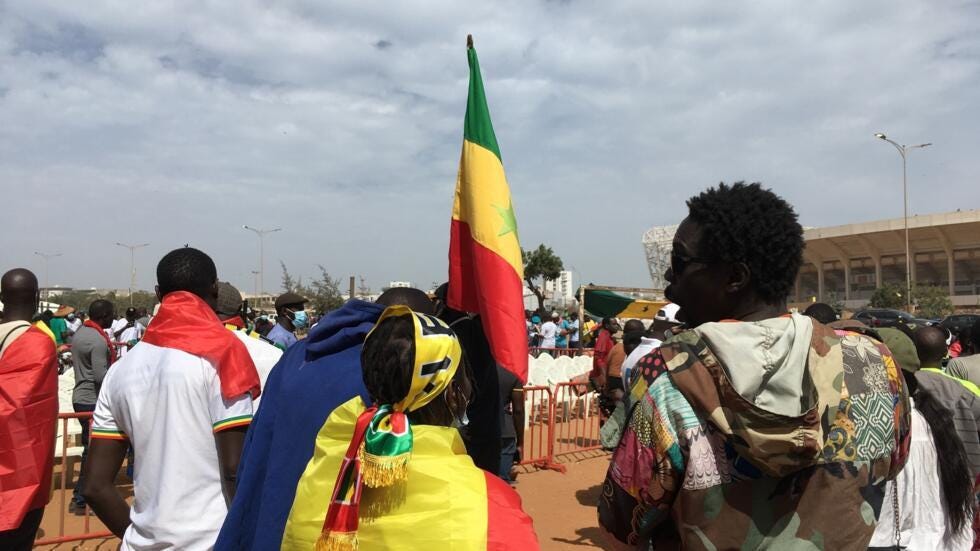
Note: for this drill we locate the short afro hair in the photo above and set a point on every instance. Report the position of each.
(752, 225)
(186, 269)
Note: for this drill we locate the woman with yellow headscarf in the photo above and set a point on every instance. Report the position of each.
(395, 474)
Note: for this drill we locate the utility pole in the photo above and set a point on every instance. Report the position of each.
(904, 150)
(255, 283)
(261, 233)
(47, 284)
(132, 266)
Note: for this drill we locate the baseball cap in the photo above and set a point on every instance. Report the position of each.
(229, 299)
(287, 299)
(668, 313)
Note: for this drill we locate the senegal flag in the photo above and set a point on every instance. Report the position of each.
(486, 272)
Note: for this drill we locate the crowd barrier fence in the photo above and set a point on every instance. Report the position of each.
(558, 421)
(63, 420)
(575, 418)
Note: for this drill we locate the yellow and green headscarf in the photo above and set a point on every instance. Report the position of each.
(381, 446)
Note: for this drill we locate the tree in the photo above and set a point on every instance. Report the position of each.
(540, 264)
(289, 285)
(81, 299)
(323, 293)
(932, 302)
(888, 295)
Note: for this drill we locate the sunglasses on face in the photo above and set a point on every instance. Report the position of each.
(680, 262)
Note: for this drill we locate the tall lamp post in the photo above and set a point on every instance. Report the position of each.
(255, 283)
(46, 257)
(261, 233)
(904, 151)
(132, 266)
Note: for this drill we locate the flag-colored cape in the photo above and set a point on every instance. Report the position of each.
(28, 420)
(187, 323)
(446, 502)
(486, 270)
(311, 380)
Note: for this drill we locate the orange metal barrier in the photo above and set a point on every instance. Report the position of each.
(575, 419)
(87, 534)
(536, 351)
(538, 423)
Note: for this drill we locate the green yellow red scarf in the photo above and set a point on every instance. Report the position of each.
(381, 446)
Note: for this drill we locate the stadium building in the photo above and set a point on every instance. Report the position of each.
(846, 263)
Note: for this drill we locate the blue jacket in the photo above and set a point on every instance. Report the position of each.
(313, 377)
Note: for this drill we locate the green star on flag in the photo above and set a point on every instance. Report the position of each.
(510, 221)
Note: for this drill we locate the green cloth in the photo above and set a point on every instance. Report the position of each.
(58, 326)
(607, 304)
(902, 347)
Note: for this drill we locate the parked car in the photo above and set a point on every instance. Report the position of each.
(886, 317)
(959, 322)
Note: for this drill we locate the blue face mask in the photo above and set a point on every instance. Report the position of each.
(300, 319)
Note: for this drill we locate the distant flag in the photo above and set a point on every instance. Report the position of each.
(486, 271)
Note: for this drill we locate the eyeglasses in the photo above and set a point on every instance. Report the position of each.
(680, 262)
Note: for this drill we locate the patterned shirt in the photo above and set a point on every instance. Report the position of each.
(700, 467)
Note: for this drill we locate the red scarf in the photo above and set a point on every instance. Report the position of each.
(101, 331)
(187, 323)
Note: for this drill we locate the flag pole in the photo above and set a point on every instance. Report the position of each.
(469, 41)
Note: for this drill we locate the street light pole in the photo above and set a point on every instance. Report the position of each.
(904, 150)
(132, 266)
(255, 283)
(46, 257)
(261, 233)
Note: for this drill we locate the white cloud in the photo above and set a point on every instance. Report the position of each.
(177, 122)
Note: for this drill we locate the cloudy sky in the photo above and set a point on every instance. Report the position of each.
(176, 122)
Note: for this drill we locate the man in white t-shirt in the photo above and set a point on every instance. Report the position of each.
(549, 331)
(182, 397)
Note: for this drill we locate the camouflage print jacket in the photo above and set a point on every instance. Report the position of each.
(700, 466)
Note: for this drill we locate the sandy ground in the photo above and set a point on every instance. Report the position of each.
(561, 504)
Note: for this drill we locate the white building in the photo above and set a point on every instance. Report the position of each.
(394, 284)
(561, 290)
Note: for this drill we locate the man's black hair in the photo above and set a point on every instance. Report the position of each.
(100, 309)
(186, 269)
(824, 313)
(633, 326)
(930, 344)
(752, 225)
(415, 299)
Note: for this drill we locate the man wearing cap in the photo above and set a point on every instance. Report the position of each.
(292, 316)
(130, 333)
(263, 352)
(59, 326)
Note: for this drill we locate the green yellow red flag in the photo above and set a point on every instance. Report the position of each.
(486, 272)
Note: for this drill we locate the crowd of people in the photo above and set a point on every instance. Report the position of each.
(733, 421)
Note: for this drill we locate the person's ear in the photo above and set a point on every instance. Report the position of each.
(739, 277)
(214, 290)
(156, 289)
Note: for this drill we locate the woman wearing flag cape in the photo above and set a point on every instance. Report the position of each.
(395, 474)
